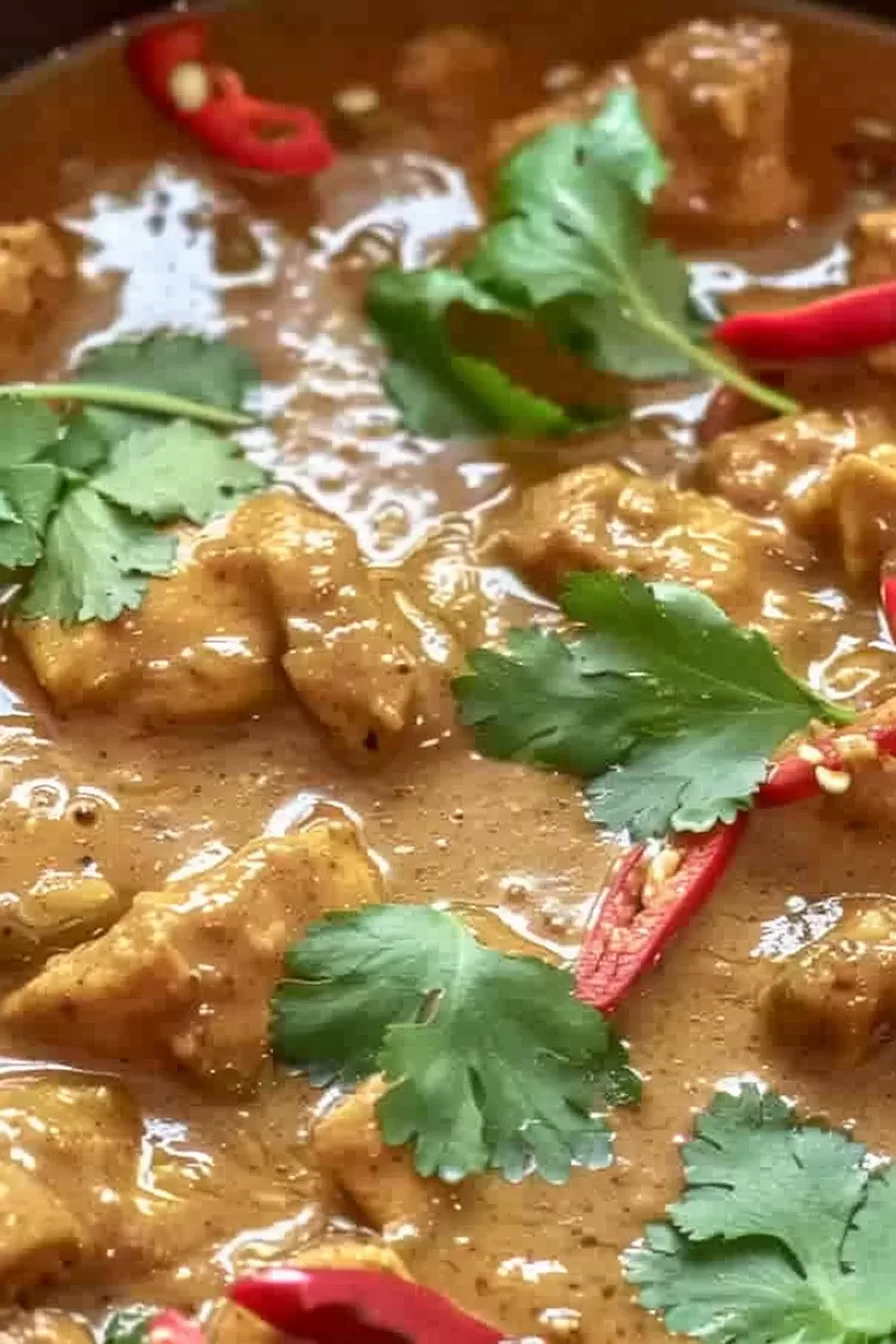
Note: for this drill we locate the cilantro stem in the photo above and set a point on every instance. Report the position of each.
(120, 397)
(713, 364)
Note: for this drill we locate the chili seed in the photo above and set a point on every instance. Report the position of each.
(832, 781)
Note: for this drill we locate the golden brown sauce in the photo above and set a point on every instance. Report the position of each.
(167, 238)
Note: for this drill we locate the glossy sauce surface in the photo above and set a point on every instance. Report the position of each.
(165, 238)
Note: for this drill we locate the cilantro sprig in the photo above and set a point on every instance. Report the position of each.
(82, 494)
(566, 246)
(493, 1062)
(786, 1233)
(664, 706)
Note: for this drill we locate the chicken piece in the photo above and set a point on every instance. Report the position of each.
(717, 98)
(60, 909)
(601, 517)
(381, 1181)
(231, 1325)
(279, 586)
(43, 1327)
(348, 646)
(854, 507)
(64, 1145)
(769, 467)
(873, 242)
(445, 70)
(28, 254)
(839, 994)
(184, 980)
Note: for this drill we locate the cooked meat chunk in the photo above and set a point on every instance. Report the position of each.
(63, 1145)
(839, 994)
(58, 910)
(770, 466)
(855, 506)
(601, 517)
(282, 585)
(28, 254)
(443, 70)
(717, 97)
(43, 1327)
(183, 981)
(381, 1182)
(873, 241)
(230, 1325)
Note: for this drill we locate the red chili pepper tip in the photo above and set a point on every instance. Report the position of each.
(168, 62)
(350, 1306)
(827, 764)
(847, 324)
(888, 601)
(644, 906)
(169, 1327)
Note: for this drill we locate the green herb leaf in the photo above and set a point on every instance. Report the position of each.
(572, 208)
(129, 1325)
(28, 487)
(212, 371)
(96, 563)
(674, 708)
(440, 391)
(786, 1233)
(178, 470)
(493, 1062)
(27, 431)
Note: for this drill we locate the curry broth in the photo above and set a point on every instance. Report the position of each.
(166, 238)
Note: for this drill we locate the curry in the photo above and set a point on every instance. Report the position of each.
(269, 732)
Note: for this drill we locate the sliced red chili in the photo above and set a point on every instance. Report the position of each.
(888, 598)
(169, 1327)
(645, 905)
(847, 324)
(168, 60)
(348, 1306)
(825, 765)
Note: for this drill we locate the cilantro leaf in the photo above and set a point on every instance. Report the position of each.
(28, 487)
(27, 430)
(785, 1234)
(572, 207)
(129, 1325)
(215, 372)
(442, 392)
(493, 1062)
(96, 563)
(674, 708)
(178, 470)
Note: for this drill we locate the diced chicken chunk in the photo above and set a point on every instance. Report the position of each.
(832, 478)
(601, 517)
(839, 994)
(444, 70)
(280, 587)
(63, 1145)
(28, 254)
(381, 1181)
(184, 979)
(231, 1325)
(717, 98)
(873, 241)
(43, 1327)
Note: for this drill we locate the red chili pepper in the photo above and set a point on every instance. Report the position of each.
(638, 913)
(888, 596)
(796, 777)
(352, 1306)
(168, 61)
(169, 1327)
(847, 324)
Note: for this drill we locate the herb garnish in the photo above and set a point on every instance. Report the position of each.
(667, 708)
(566, 246)
(493, 1062)
(81, 493)
(785, 1234)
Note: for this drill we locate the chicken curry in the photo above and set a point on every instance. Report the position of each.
(448, 520)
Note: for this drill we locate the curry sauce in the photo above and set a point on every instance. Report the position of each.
(140, 767)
